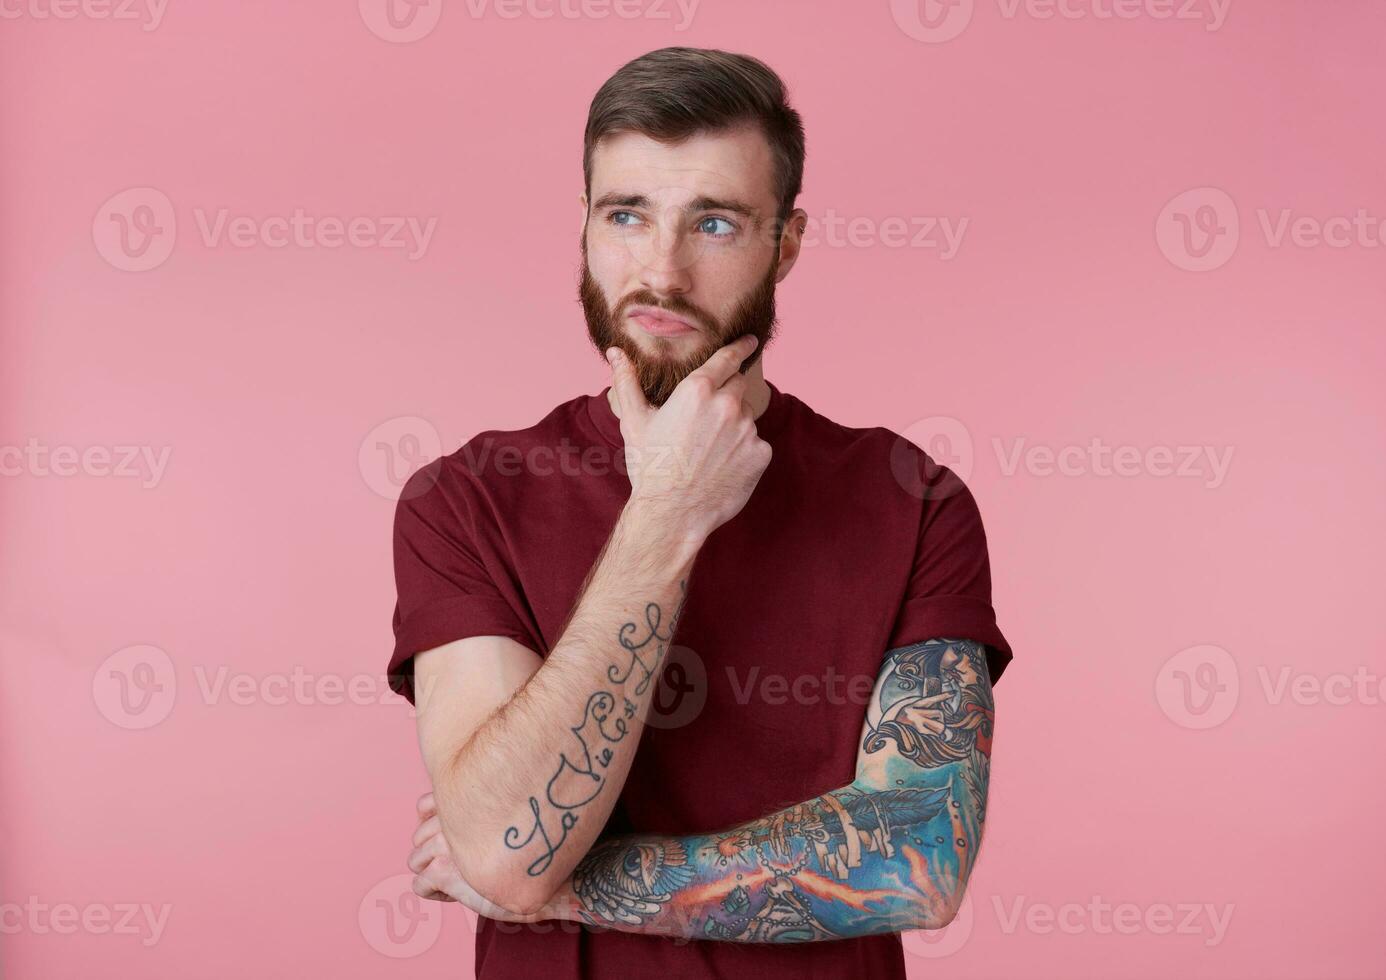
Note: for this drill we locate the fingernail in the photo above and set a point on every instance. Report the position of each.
(612, 354)
(755, 342)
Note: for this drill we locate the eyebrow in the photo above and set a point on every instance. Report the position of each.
(616, 200)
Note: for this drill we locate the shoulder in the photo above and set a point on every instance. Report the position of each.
(460, 478)
(818, 433)
(885, 454)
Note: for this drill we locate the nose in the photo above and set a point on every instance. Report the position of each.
(666, 261)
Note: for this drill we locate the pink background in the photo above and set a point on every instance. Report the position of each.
(274, 832)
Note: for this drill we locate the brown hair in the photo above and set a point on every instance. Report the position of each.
(673, 93)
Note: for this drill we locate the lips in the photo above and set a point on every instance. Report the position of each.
(661, 324)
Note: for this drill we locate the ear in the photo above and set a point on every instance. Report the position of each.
(790, 241)
(582, 200)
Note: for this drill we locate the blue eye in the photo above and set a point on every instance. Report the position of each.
(730, 229)
(615, 218)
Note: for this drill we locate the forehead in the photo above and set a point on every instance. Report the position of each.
(729, 163)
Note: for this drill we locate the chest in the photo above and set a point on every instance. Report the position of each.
(789, 608)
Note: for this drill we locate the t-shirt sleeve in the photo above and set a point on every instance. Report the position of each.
(445, 589)
(949, 591)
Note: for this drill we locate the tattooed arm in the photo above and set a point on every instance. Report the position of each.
(523, 791)
(528, 757)
(889, 852)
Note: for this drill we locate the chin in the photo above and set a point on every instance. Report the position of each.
(670, 346)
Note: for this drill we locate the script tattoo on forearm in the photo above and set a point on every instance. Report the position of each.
(889, 852)
(580, 774)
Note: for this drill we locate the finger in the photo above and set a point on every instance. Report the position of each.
(419, 858)
(422, 854)
(722, 365)
(427, 805)
(736, 387)
(424, 889)
(426, 852)
(431, 827)
(624, 381)
(933, 699)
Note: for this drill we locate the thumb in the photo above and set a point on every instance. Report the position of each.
(634, 408)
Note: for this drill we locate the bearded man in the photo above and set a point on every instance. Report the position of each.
(632, 774)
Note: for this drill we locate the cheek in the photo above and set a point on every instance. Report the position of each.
(724, 279)
(610, 263)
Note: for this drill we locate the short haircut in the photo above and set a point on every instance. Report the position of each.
(674, 93)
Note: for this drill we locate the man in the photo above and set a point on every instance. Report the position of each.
(818, 596)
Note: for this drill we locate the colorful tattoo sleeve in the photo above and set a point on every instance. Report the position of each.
(889, 852)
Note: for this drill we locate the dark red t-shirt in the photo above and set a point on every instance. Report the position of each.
(853, 543)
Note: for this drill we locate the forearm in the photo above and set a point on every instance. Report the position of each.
(525, 798)
(853, 862)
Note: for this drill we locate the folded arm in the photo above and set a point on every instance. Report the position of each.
(890, 851)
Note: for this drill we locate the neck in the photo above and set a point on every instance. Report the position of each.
(757, 392)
